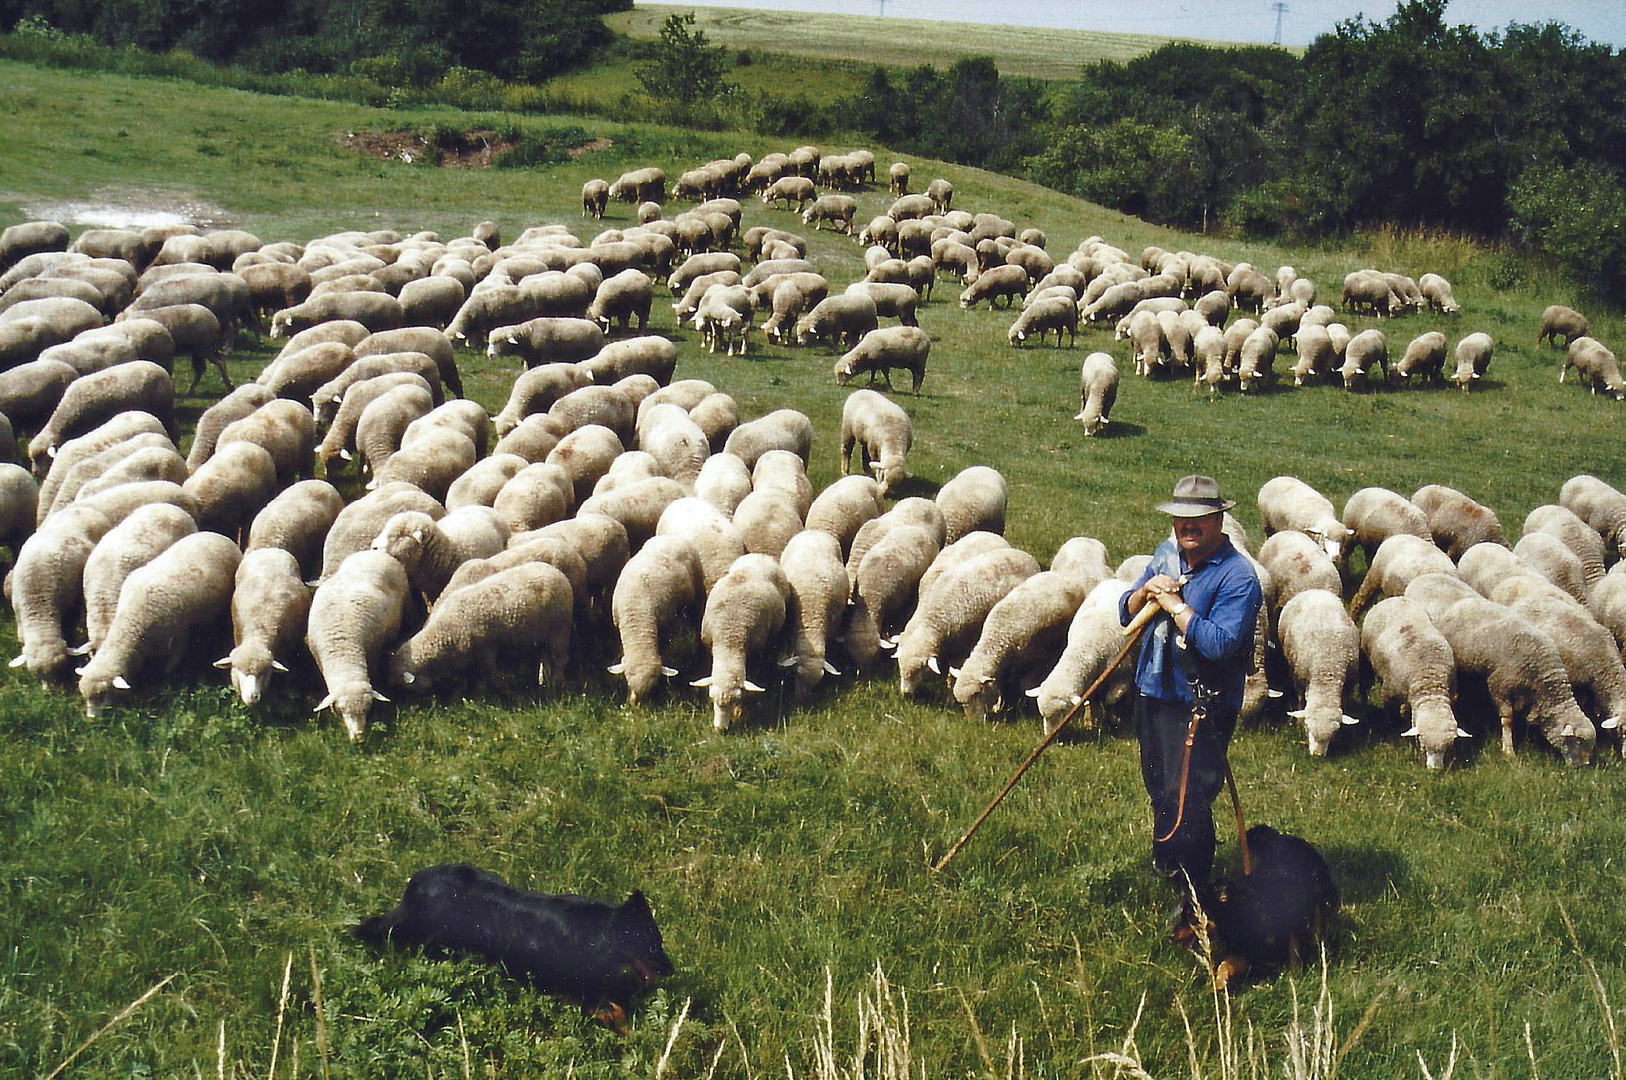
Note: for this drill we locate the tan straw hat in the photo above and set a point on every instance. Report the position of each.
(1195, 496)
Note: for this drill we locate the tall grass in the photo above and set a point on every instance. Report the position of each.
(184, 834)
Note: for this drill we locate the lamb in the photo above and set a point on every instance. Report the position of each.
(952, 610)
(812, 566)
(783, 429)
(1457, 522)
(1289, 503)
(1025, 627)
(621, 298)
(974, 500)
(1589, 652)
(297, 521)
(185, 587)
(1594, 363)
(744, 615)
(93, 399)
(585, 456)
(354, 616)
(1437, 291)
(1559, 321)
(1580, 538)
(1094, 639)
(1363, 351)
(270, 606)
(131, 544)
(1523, 672)
(1403, 649)
(431, 550)
(514, 609)
(1322, 647)
(356, 525)
(547, 340)
(841, 319)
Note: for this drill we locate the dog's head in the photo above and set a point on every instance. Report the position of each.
(638, 940)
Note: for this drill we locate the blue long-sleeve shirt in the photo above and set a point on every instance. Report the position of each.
(1224, 595)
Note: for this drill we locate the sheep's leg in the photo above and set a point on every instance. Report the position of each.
(1507, 729)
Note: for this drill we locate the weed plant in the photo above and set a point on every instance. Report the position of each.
(183, 835)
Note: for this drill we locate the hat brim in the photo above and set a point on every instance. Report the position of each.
(1192, 508)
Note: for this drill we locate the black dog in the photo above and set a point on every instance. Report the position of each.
(597, 953)
(1274, 916)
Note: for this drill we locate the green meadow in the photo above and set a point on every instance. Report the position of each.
(178, 875)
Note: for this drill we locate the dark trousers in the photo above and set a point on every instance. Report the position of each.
(1162, 726)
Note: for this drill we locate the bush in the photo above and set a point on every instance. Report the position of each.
(1575, 216)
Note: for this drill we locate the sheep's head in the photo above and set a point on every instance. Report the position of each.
(643, 679)
(977, 693)
(250, 666)
(1435, 728)
(47, 661)
(844, 371)
(97, 687)
(1320, 725)
(352, 703)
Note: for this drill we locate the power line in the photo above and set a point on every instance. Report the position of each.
(1281, 9)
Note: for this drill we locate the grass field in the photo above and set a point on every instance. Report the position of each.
(1038, 52)
(182, 835)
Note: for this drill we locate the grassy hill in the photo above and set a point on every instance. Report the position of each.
(184, 835)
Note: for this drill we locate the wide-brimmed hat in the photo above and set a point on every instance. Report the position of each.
(1195, 496)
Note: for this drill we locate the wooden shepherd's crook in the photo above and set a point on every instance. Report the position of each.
(1132, 632)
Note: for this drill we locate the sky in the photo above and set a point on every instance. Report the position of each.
(1237, 20)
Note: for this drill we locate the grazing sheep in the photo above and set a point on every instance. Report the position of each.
(783, 429)
(657, 585)
(650, 355)
(637, 506)
(883, 434)
(1558, 321)
(585, 456)
(605, 406)
(711, 262)
(974, 501)
(1473, 358)
(285, 429)
(240, 403)
(354, 616)
(724, 481)
(339, 444)
(724, 315)
(896, 300)
(884, 579)
(1097, 392)
(1425, 358)
(532, 439)
(1589, 652)
(46, 586)
(1580, 538)
(374, 310)
(898, 178)
(270, 606)
(1374, 514)
(1523, 671)
(431, 302)
(910, 511)
(355, 526)
(19, 503)
(147, 456)
(881, 350)
(1027, 626)
(941, 194)
(1367, 290)
(812, 566)
(297, 521)
(1295, 563)
(1056, 314)
(595, 195)
(766, 521)
(1400, 645)
(1457, 522)
(1595, 364)
(1592, 500)
(1256, 362)
(1011, 282)
(1553, 560)
(29, 392)
(1094, 639)
(838, 210)
(384, 421)
(1437, 292)
(535, 390)
(546, 340)
(744, 615)
(621, 298)
(844, 507)
(431, 551)
(1364, 350)
(679, 446)
(1286, 502)
(715, 539)
(842, 320)
(512, 610)
(91, 400)
(1208, 359)
(718, 415)
(1322, 648)
(131, 544)
(185, 587)
(952, 610)
(233, 486)
(537, 495)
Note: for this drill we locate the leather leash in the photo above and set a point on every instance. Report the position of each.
(1197, 716)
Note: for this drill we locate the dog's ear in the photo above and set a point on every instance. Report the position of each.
(636, 903)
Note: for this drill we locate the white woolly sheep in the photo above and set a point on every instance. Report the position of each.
(1595, 365)
(911, 511)
(651, 356)
(297, 521)
(1591, 657)
(1456, 521)
(952, 609)
(1255, 364)
(285, 429)
(535, 391)
(974, 500)
(1437, 291)
(1286, 502)
(724, 315)
(1558, 321)
(1399, 560)
(354, 616)
(432, 550)
(91, 400)
(585, 456)
(782, 429)
(881, 350)
(766, 521)
(514, 610)
(374, 310)
(842, 319)
(1414, 662)
(723, 482)
(781, 472)
(812, 566)
(1580, 538)
(1473, 358)
(1365, 349)
(546, 340)
(1552, 559)
(1594, 501)
(1374, 514)
(1425, 358)
(715, 539)
(884, 581)
(234, 406)
(637, 506)
(1322, 649)
(621, 298)
(744, 616)
(46, 583)
(270, 605)
(339, 444)
(1295, 563)
(1094, 639)
(844, 507)
(1058, 314)
(233, 486)
(1097, 392)
(1024, 629)
(131, 544)
(657, 586)
(883, 434)
(355, 527)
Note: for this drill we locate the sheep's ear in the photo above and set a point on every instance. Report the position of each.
(790, 661)
(1410, 733)
(702, 682)
(278, 665)
(669, 672)
(617, 668)
(80, 650)
(1273, 693)
(1032, 693)
(407, 678)
(1297, 714)
(345, 454)
(830, 669)
(223, 662)
(380, 697)
(324, 703)
(1568, 732)
(1464, 733)
(120, 683)
(1348, 719)
(419, 534)
(17, 661)
(1610, 723)
(81, 670)
(932, 663)
(753, 687)
(1080, 416)
(954, 672)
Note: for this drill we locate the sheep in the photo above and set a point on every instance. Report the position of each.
(941, 194)
(131, 544)
(1558, 321)
(1094, 639)
(595, 194)
(340, 441)
(1026, 626)
(844, 507)
(1286, 502)
(93, 399)
(270, 606)
(649, 355)
(724, 481)
(535, 391)
(1595, 364)
(1363, 351)
(154, 459)
(355, 526)
(384, 421)
(1437, 291)
(1208, 358)
(637, 506)
(1473, 357)
(714, 537)
(121, 428)
(1011, 282)
(1255, 363)
(898, 178)
(881, 350)
(1295, 563)
(1374, 514)
(546, 340)
(19, 503)
(744, 615)
(973, 501)
(1367, 290)
(431, 550)
(533, 438)
(1056, 314)
(285, 429)
(374, 310)
(535, 496)
(584, 457)
(1580, 538)
(724, 315)
(788, 303)
(790, 189)
(602, 405)
(689, 302)
(910, 511)
(883, 581)
(1592, 500)
(952, 609)
(1425, 357)
(811, 563)
(29, 392)
(658, 583)
(1457, 522)
(45, 586)
(310, 371)
(895, 300)
(836, 209)
(232, 486)
(1322, 648)
(297, 520)
(1589, 652)
(783, 429)
(621, 298)
(717, 415)
(1097, 392)
(1549, 557)
(1522, 669)
(842, 319)
(1609, 606)
(235, 406)
(600, 541)
(766, 520)
(1400, 645)
(883, 434)
(354, 616)
(184, 587)
(19, 241)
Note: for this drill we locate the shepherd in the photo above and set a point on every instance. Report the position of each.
(1189, 678)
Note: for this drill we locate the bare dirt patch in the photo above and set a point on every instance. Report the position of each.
(133, 208)
(475, 149)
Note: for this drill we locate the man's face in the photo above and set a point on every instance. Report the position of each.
(1198, 537)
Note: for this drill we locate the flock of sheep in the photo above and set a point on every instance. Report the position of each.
(608, 497)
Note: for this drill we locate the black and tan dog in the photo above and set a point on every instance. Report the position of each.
(600, 954)
(1276, 916)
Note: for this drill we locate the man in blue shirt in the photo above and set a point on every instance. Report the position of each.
(1193, 661)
